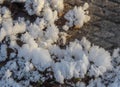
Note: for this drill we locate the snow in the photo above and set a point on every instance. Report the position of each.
(28, 66)
(85, 43)
(77, 16)
(8, 74)
(96, 82)
(63, 70)
(52, 33)
(35, 31)
(3, 52)
(101, 60)
(67, 70)
(40, 50)
(28, 39)
(19, 28)
(2, 34)
(41, 58)
(57, 5)
(65, 27)
(34, 6)
(5, 12)
(82, 60)
(9, 82)
(116, 53)
(52, 15)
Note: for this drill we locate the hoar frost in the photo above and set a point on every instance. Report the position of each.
(34, 6)
(78, 16)
(34, 48)
(82, 62)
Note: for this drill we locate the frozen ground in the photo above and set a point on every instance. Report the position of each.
(104, 26)
(51, 61)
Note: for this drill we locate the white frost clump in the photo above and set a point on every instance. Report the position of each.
(67, 70)
(116, 53)
(96, 83)
(57, 5)
(65, 27)
(49, 15)
(41, 58)
(85, 43)
(52, 33)
(8, 73)
(29, 40)
(40, 22)
(5, 12)
(9, 82)
(34, 6)
(3, 52)
(35, 31)
(79, 59)
(101, 60)
(116, 57)
(78, 16)
(63, 70)
(10, 27)
(29, 66)
(19, 28)
(2, 34)
(34, 48)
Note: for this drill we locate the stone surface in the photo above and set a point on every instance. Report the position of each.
(104, 26)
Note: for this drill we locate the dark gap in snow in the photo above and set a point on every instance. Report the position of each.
(60, 22)
(18, 10)
(9, 51)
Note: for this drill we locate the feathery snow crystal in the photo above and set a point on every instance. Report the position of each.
(36, 52)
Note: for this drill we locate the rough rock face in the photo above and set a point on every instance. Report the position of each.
(104, 26)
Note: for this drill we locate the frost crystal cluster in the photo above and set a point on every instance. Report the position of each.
(31, 52)
(78, 16)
